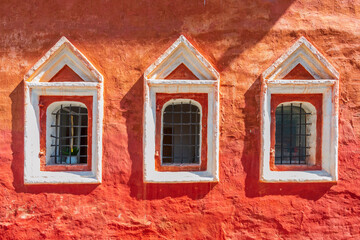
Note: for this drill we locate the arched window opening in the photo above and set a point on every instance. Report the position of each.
(292, 134)
(70, 135)
(181, 130)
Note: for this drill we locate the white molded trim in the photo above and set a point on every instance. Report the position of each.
(329, 135)
(304, 53)
(181, 52)
(323, 82)
(154, 83)
(32, 173)
(212, 172)
(326, 83)
(45, 85)
(61, 54)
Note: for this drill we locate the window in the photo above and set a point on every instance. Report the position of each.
(70, 132)
(180, 133)
(182, 120)
(299, 118)
(296, 132)
(291, 134)
(63, 119)
(66, 130)
(181, 117)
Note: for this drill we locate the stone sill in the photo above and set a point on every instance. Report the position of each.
(62, 178)
(297, 176)
(180, 177)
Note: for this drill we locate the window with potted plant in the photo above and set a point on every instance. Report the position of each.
(63, 118)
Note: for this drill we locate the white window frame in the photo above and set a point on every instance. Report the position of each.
(326, 82)
(36, 85)
(181, 52)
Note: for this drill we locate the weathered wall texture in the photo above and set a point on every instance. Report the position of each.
(122, 38)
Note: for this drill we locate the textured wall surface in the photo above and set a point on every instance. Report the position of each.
(122, 38)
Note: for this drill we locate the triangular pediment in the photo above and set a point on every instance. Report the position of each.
(303, 62)
(66, 74)
(181, 72)
(62, 62)
(181, 59)
(299, 72)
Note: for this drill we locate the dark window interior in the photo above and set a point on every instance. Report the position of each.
(70, 141)
(181, 134)
(291, 135)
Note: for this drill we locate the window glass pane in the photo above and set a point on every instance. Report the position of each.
(181, 134)
(69, 141)
(290, 134)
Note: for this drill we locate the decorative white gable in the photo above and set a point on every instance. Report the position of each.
(181, 52)
(305, 54)
(61, 54)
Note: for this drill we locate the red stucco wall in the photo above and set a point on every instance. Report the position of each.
(122, 38)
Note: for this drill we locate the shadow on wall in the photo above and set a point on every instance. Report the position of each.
(133, 105)
(17, 148)
(252, 21)
(134, 125)
(17, 135)
(251, 157)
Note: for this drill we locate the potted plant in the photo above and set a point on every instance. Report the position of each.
(70, 154)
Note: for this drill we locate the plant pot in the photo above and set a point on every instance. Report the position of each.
(71, 160)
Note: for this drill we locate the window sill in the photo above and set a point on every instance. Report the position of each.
(297, 176)
(180, 177)
(62, 178)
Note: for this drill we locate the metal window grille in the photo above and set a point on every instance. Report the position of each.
(181, 134)
(291, 134)
(69, 135)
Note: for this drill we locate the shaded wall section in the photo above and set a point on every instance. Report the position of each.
(122, 38)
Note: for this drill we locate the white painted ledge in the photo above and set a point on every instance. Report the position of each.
(323, 82)
(179, 177)
(297, 176)
(63, 84)
(152, 82)
(62, 178)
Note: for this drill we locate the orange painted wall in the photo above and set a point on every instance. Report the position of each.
(241, 38)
